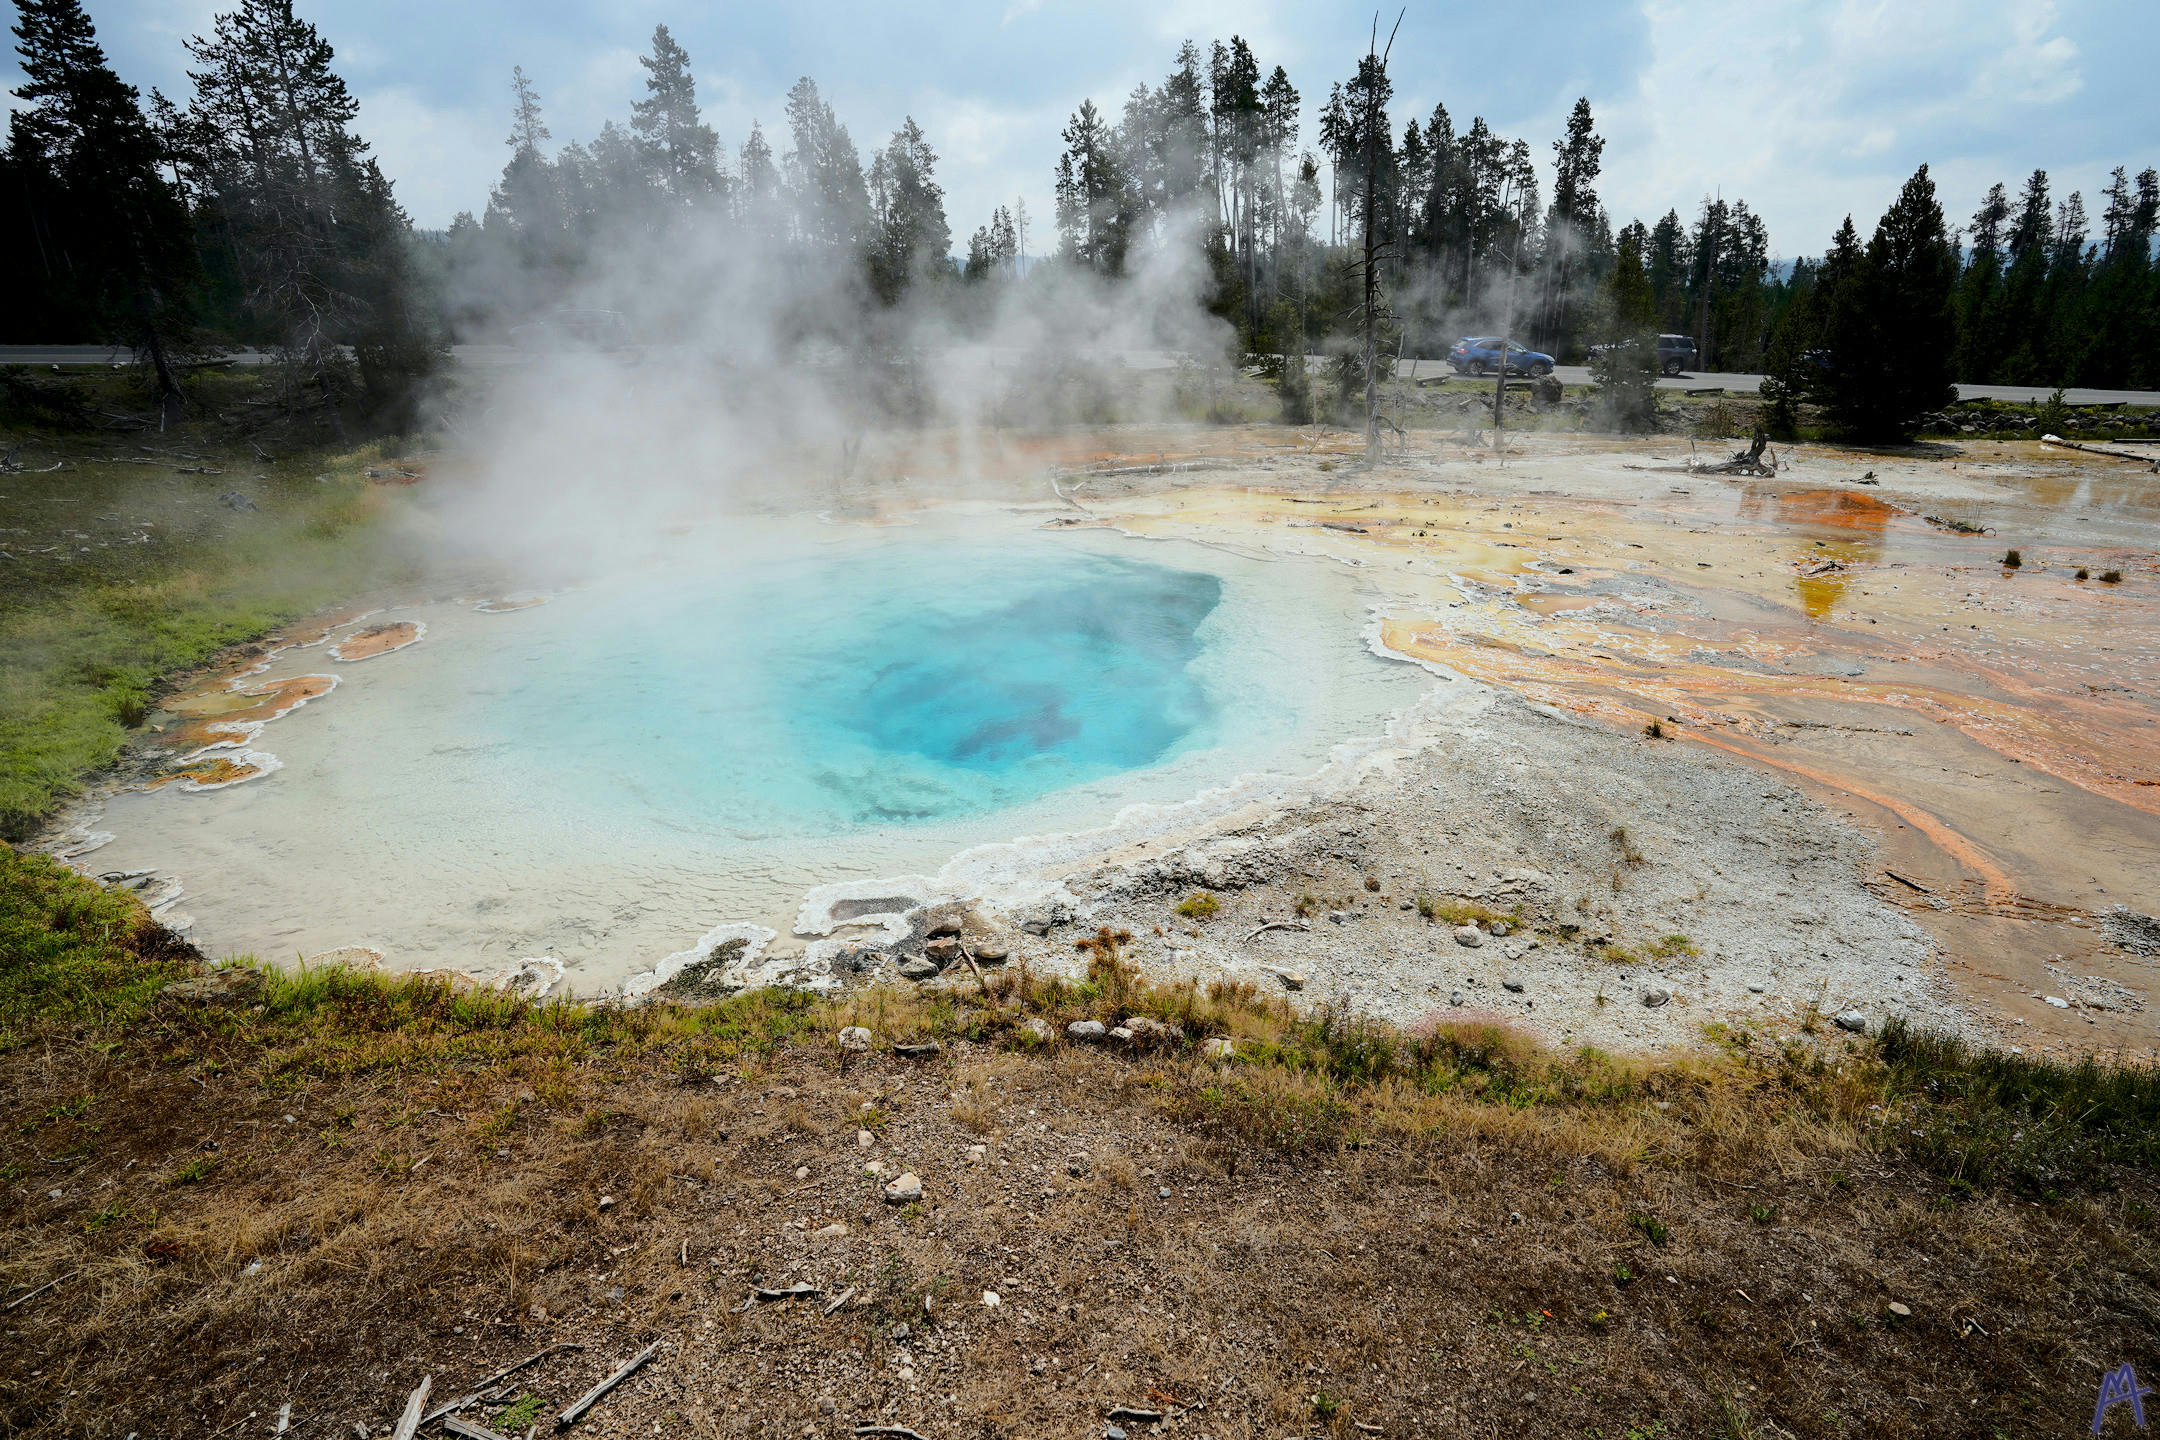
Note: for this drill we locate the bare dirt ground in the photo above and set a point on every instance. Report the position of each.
(251, 1259)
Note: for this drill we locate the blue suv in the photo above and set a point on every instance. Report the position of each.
(1473, 356)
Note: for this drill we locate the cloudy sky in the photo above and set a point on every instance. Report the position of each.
(1808, 109)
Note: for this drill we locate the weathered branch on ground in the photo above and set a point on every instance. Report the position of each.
(409, 1423)
(599, 1392)
(1276, 925)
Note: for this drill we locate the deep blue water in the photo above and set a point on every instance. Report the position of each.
(867, 685)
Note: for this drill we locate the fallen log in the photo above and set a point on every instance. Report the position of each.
(2150, 462)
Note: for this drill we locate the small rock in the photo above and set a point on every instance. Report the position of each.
(1514, 1217)
(1122, 1034)
(836, 1231)
(944, 926)
(1455, 997)
(1500, 928)
(900, 1331)
(943, 951)
(874, 1168)
(1163, 1193)
(991, 954)
(1852, 1020)
(607, 1202)
(1085, 1030)
(864, 1139)
(1513, 987)
(1337, 917)
(237, 986)
(978, 1152)
(1654, 996)
(2055, 1000)
(855, 1039)
(802, 1172)
(990, 1300)
(919, 970)
(1146, 1030)
(921, 1050)
(1754, 989)
(1037, 924)
(1469, 937)
(1112, 1432)
(1218, 1048)
(1291, 979)
(1903, 1312)
(905, 1190)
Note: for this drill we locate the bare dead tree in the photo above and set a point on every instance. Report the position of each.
(1378, 59)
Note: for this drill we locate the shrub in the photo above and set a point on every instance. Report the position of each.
(2012, 560)
(1199, 905)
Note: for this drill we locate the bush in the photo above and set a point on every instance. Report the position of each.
(1199, 906)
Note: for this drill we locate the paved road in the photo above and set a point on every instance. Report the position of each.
(1570, 375)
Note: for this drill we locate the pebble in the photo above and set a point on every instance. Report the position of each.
(1163, 1193)
(939, 929)
(1085, 1030)
(1654, 996)
(836, 1231)
(802, 1172)
(855, 1039)
(1852, 1020)
(1455, 997)
(1754, 989)
(1112, 1432)
(1219, 1048)
(875, 1167)
(991, 954)
(978, 1152)
(607, 1202)
(1337, 917)
(1903, 1312)
(990, 1300)
(864, 1139)
(1469, 936)
(2057, 1001)
(1122, 1034)
(1036, 1029)
(943, 951)
(1500, 928)
(1147, 1030)
(905, 1190)
(1291, 979)
(1513, 987)
(918, 970)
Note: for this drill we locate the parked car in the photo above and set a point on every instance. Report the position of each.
(1675, 353)
(1481, 356)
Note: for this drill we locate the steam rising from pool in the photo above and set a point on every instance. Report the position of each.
(773, 710)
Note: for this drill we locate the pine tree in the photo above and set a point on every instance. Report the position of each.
(825, 175)
(682, 147)
(913, 242)
(111, 236)
(1888, 322)
(288, 185)
(1094, 202)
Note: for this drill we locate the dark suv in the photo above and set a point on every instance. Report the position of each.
(1675, 353)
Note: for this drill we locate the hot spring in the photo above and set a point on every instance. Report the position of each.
(607, 776)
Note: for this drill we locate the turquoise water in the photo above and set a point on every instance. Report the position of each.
(762, 710)
(864, 685)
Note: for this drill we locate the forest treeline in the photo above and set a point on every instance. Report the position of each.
(251, 212)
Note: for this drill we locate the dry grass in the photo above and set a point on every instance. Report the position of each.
(1432, 1231)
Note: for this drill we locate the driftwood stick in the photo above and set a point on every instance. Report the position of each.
(1277, 925)
(593, 1396)
(473, 1395)
(409, 1422)
(839, 1300)
(891, 1432)
(49, 1284)
(969, 956)
(469, 1430)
